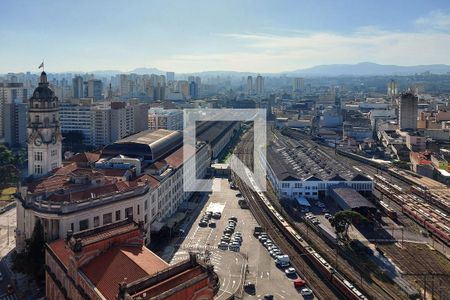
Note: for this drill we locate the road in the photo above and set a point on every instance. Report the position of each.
(229, 265)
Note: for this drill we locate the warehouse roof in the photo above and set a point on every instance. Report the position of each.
(349, 198)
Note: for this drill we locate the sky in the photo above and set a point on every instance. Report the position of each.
(209, 35)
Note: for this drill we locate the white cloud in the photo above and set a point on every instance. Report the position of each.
(275, 53)
(437, 20)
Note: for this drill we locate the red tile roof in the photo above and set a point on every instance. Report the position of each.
(85, 157)
(170, 283)
(61, 252)
(117, 264)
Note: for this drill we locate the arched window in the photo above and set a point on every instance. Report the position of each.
(36, 119)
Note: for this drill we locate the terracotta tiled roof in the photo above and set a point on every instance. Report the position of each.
(152, 181)
(62, 253)
(175, 159)
(107, 270)
(170, 283)
(85, 157)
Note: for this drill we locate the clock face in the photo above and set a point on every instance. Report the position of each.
(38, 141)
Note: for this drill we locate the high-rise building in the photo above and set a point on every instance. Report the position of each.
(193, 90)
(249, 85)
(103, 123)
(408, 112)
(16, 116)
(95, 89)
(170, 76)
(392, 89)
(44, 137)
(9, 93)
(259, 84)
(77, 87)
(298, 84)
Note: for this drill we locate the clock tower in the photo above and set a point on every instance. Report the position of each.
(44, 136)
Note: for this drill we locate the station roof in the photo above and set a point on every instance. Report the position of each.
(150, 144)
(349, 198)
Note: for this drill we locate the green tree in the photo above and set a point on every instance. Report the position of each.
(10, 164)
(31, 260)
(343, 220)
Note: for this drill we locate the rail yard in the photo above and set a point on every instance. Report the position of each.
(314, 258)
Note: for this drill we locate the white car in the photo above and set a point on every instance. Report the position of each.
(306, 292)
(289, 271)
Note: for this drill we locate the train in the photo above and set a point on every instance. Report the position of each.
(388, 210)
(432, 219)
(349, 290)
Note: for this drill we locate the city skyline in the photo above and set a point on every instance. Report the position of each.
(267, 37)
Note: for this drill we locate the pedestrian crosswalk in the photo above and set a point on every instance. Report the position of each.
(8, 297)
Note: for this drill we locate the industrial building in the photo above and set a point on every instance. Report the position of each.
(296, 169)
(217, 134)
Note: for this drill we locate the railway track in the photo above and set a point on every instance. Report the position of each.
(321, 289)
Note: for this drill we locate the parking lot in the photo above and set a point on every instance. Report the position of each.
(251, 263)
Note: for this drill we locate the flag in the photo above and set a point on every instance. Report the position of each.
(41, 65)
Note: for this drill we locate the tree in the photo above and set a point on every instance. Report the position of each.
(342, 221)
(31, 260)
(10, 164)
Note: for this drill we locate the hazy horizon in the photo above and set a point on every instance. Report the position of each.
(242, 36)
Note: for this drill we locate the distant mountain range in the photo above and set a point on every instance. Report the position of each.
(368, 68)
(359, 69)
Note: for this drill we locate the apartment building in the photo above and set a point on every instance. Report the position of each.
(159, 118)
(103, 123)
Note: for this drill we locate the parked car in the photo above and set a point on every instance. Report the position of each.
(298, 282)
(233, 218)
(268, 297)
(289, 271)
(212, 225)
(250, 288)
(203, 223)
(306, 292)
(223, 245)
(217, 215)
(327, 216)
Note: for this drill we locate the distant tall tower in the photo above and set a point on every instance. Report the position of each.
(298, 84)
(77, 87)
(170, 76)
(259, 84)
(44, 136)
(407, 118)
(392, 89)
(249, 85)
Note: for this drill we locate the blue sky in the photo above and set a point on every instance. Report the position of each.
(190, 36)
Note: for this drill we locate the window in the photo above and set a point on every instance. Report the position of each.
(54, 152)
(117, 215)
(138, 209)
(38, 156)
(145, 205)
(107, 218)
(96, 221)
(285, 185)
(36, 119)
(84, 224)
(145, 219)
(38, 169)
(129, 212)
(72, 227)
